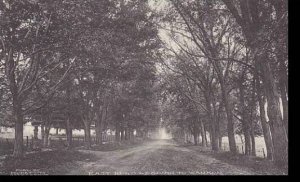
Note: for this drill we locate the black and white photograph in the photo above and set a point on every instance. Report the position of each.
(144, 87)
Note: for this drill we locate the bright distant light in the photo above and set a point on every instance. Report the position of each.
(163, 134)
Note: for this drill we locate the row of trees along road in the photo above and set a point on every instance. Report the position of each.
(218, 66)
(224, 70)
(71, 64)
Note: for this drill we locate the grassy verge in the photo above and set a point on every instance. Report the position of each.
(256, 164)
(47, 163)
(57, 161)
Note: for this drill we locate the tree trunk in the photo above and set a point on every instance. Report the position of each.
(87, 135)
(247, 142)
(244, 120)
(264, 124)
(266, 129)
(46, 137)
(126, 133)
(227, 105)
(117, 135)
(122, 134)
(146, 133)
(278, 132)
(131, 136)
(213, 127)
(283, 82)
(253, 108)
(98, 129)
(214, 138)
(220, 142)
(97, 132)
(42, 131)
(202, 132)
(35, 132)
(253, 148)
(69, 134)
(47, 125)
(205, 136)
(195, 138)
(284, 100)
(99, 124)
(16, 103)
(18, 145)
(230, 123)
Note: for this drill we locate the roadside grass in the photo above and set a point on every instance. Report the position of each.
(5, 151)
(258, 165)
(49, 162)
(59, 161)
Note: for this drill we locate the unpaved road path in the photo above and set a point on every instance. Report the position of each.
(159, 157)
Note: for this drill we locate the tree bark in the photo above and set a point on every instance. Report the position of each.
(131, 136)
(46, 137)
(87, 135)
(47, 125)
(230, 123)
(18, 145)
(244, 120)
(213, 128)
(202, 132)
(126, 133)
(117, 134)
(220, 142)
(42, 131)
(35, 132)
(283, 94)
(264, 124)
(205, 136)
(253, 148)
(122, 134)
(281, 39)
(278, 132)
(98, 129)
(195, 135)
(16, 103)
(69, 133)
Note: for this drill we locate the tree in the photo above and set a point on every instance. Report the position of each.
(31, 37)
(254, 20)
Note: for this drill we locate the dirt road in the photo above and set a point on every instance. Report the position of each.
(159, 157)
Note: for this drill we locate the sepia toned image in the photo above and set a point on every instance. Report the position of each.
(143, 87)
